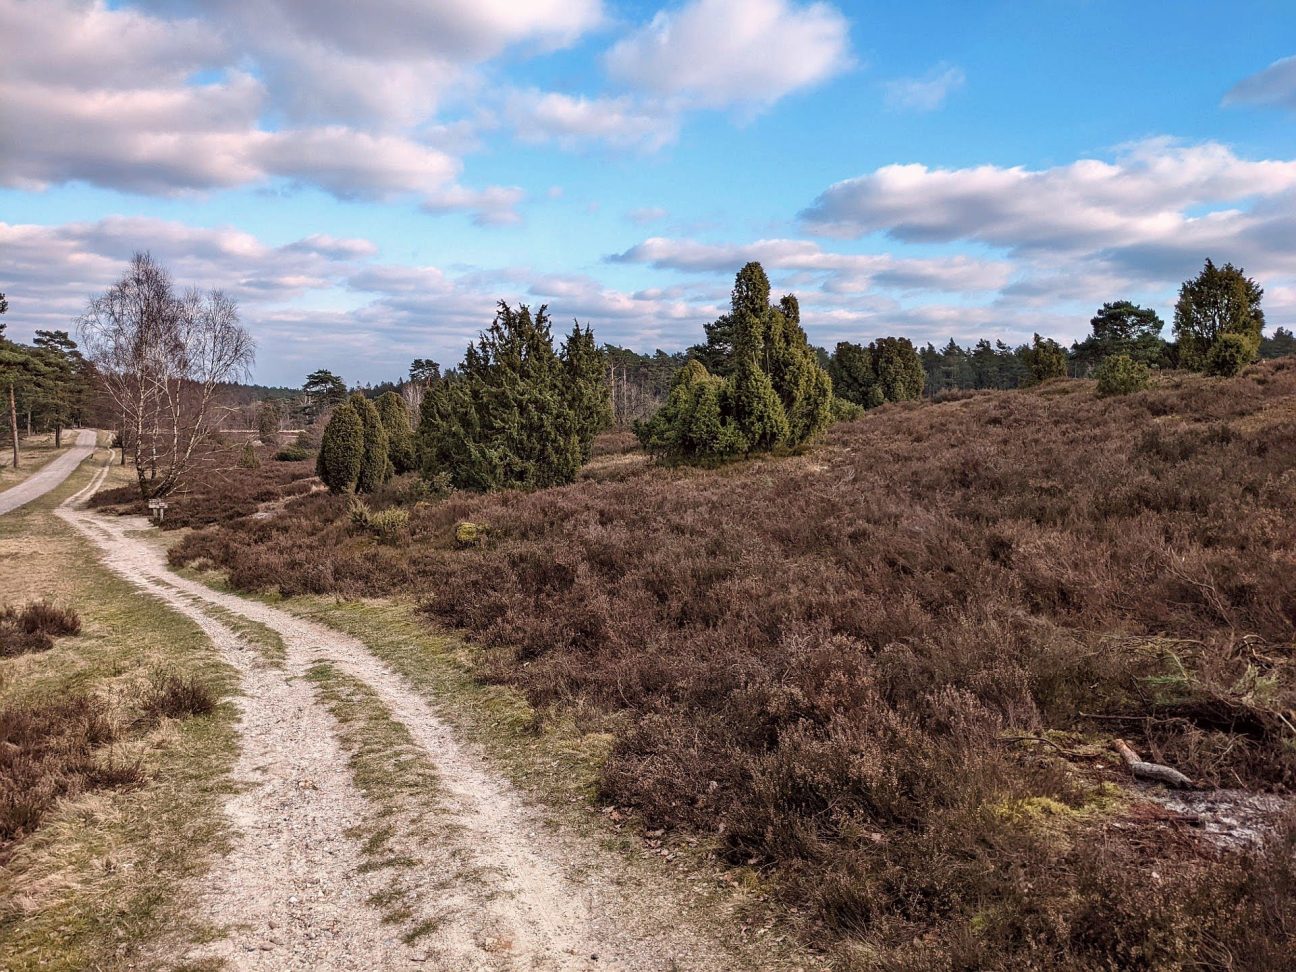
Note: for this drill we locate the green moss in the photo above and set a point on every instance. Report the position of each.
(469, 534)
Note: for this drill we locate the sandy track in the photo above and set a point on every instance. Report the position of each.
(503, 889)
(50, 475)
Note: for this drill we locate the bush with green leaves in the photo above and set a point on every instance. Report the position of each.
(341, 449)
(774, 393)
(1229, 354)
(268, 418)
(844, 410)
(248, 459)
(395, 416)
(1119, 374)
(292, 453)
(517, 414)
(375, 463)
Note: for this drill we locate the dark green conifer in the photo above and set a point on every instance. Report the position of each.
(509, 418)
(375, 463)
(395, 417)
(341, 450)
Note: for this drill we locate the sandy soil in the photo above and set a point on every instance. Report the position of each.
(50, 475)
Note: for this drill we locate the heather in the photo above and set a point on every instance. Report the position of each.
(884, 675)
(220, 489)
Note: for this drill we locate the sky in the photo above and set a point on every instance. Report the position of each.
(369, 179)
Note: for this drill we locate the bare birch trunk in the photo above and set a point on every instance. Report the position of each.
(13, 423)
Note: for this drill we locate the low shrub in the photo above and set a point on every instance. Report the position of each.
(1229, 355)
(173, 696)
(844, 410)
(386, 524)
(293, 453)
(51, 751)
(1119, 374)
(34, 627)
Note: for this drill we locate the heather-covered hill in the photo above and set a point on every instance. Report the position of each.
(886, 673)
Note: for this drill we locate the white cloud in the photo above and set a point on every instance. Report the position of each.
(1275, 85)
(1144, 197)
(719, 53)
(925, 93)
(619, 122)
(835, 272)
(460, 30)
(322, 93)
(647, 214)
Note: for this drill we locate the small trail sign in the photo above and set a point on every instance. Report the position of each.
(157, 509)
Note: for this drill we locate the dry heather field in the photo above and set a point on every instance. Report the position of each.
(882, 679)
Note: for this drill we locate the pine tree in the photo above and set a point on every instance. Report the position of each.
(395, 417)
(341, 450)
(375, 463)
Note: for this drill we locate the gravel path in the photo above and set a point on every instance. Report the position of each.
(50, 475)
(498, 887)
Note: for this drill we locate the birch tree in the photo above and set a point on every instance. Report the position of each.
(162, 358)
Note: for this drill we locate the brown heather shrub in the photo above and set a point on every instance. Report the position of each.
(818, 660)
(220, 489)
(172, 696)
(34, 627)
(51, 751)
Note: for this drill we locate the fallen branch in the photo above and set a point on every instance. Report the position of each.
(1152, 772)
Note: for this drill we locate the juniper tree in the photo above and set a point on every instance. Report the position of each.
(395, 417)
(1217, 302)
(507, 418)
(341, 450)
(802, 384)
(1046, 359)
(888, 370)
(268, 417)
(587, 388)
(1119, 374)
(775, 392)
(375, 463)
(693, 422)
(852, 372)
(1229, 354)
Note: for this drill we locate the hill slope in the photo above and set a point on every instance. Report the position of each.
(888, 672)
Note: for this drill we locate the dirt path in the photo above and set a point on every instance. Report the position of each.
(50, 475)
(495, 887)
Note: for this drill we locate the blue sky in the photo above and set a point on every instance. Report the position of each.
(368, 179)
